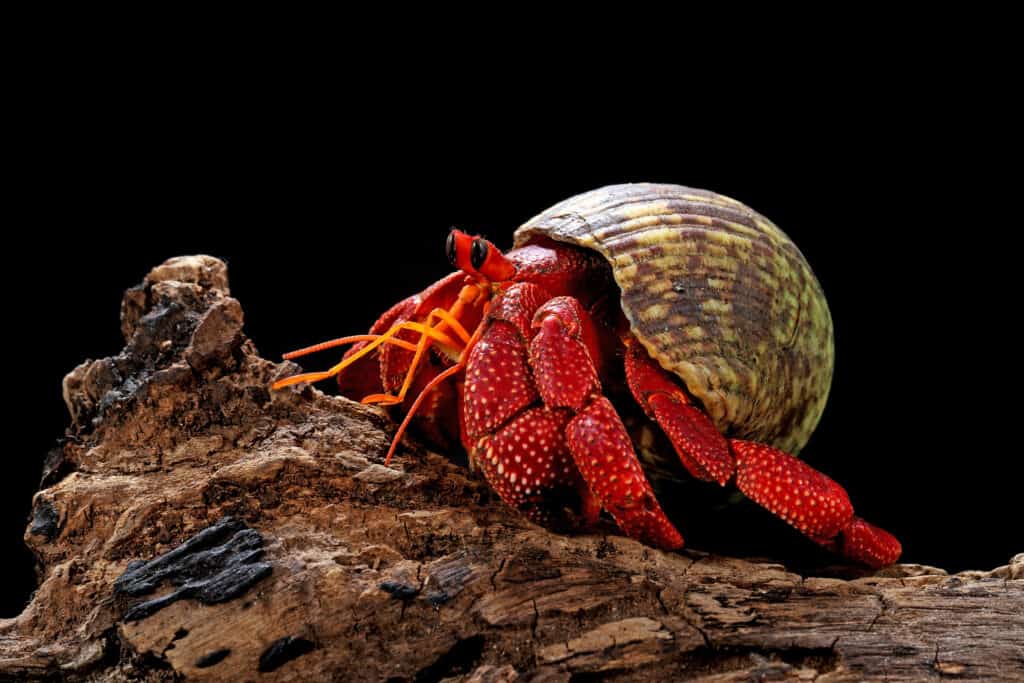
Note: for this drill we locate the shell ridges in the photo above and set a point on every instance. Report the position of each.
(718, 295)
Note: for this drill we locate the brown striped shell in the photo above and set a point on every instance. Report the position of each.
(718, 295)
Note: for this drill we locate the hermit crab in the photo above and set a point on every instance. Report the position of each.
(685, 301)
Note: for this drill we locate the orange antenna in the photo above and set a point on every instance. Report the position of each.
(387, 337)
(416, 404)
(429, 331)
(463, 359)
(341, 341)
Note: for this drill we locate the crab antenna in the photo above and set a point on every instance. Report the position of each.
(429, 331)
(416, 404)
(318, 376)
(388, 337)
(461, 364)
(341, 341)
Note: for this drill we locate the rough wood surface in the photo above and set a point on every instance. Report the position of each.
(194, 525)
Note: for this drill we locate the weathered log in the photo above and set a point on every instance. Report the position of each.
(194, 524)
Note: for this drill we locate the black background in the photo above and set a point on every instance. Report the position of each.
(329, 206)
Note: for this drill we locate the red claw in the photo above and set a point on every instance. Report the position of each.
(565, 375)
(527, 460)
(497, 382)
(533, 450)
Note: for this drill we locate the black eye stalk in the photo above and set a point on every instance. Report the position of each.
(449, 248)
(478, 253)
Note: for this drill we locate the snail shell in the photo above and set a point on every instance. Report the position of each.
(718, 295)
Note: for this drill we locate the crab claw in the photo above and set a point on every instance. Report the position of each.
(562, 356)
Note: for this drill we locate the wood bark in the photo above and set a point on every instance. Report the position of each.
(194, 524)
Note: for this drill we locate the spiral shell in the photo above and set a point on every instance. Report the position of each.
(718, 295)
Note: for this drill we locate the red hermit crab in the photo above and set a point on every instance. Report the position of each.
(687, 302)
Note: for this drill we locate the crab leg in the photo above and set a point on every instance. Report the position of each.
(701, 448)
(810, 501)
(566, 376)
(538, 426)
(789, 488)
(518, 443)
(605, 457)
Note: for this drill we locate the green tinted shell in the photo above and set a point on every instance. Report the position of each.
(718, 295)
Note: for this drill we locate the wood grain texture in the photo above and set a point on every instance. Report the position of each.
(412, 573)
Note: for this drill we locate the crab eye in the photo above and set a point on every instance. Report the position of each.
(449, 248)
(477, 253)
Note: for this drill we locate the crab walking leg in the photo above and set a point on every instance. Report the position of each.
(516, 442)
(784, 485)
(527, 462)
(605, 457)
(700, 446)
(810, 501)
(561, 355)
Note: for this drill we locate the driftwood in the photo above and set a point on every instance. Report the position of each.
(195, 525)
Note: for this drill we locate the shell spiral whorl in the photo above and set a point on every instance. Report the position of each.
(718, 295)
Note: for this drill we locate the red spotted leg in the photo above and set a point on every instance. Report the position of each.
(562, 355)
(786, 486)
(811, 502)
(517, 442)
(533, 419)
